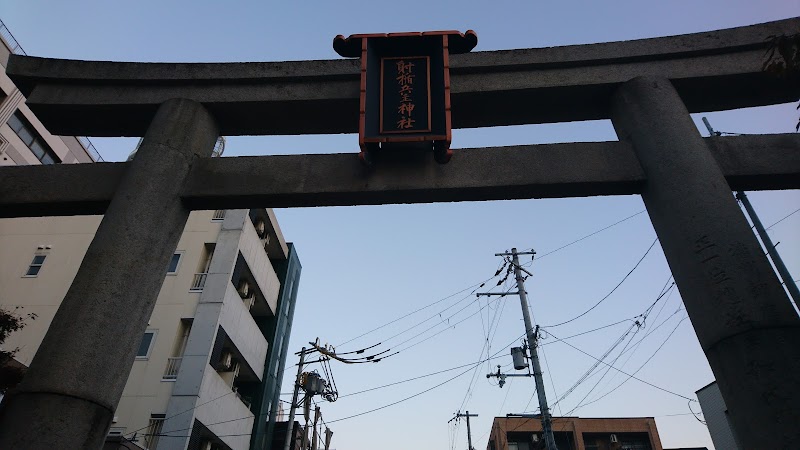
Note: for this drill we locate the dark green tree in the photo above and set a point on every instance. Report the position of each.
(11, 371)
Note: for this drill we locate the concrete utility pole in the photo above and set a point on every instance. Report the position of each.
(788, 281)
(469, 430)
(290, 425)
(547, 424)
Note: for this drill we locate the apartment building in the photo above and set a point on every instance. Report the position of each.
(209, 366)
(23, 139)
(575, 433)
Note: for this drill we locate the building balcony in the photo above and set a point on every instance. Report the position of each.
(228, 419)
(242, 330)
(173, 365)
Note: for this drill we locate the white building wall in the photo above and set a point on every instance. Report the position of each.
(715, 413)
(240, 327)
(228, 418)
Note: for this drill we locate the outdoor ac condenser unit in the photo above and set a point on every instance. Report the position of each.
(227, 360)
(244, 289)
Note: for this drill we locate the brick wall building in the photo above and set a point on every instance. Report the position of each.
(574, 433)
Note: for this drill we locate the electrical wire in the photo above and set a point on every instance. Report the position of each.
(183, 412)
(486, 347)
(638, 328)
(784, 218)
(163, 433)
(638, 369)
(590, 235)
(689, 404)
(625, 373)
(589, 373)
(404, 316)
(609, 294)
(644, 318)
(414, 378)
(426, 390)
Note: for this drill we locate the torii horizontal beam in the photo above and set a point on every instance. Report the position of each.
(529, 171)
(711, 71)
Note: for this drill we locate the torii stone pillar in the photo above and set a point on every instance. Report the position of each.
(741, 314)
(72, 388)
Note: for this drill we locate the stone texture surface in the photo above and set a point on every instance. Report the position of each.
(742, 316)
(532, 171)
(88, 351)
(712, 71)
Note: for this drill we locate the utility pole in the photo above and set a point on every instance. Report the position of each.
(469, 431)
(788, 281)
(547, 424)
(290, 424)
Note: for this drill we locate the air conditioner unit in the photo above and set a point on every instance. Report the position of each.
(226, 360)
(235, 369)
(261, 228)
(535, 438)
(250, 301)
(207, 445)
(614, 438)
(243, 289)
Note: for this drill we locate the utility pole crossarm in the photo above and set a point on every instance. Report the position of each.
(500, 294)
(469, 431)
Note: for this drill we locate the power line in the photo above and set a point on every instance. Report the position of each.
(184, 412)
(638, 369)
(476, 285)
(426, 390)
(784, 218)
(609, 294)
(589, 235)
(414, 379)
(625, 373)
(486, 346)
(639, 327)
(362, 413)
(644, 321)
(590, 372)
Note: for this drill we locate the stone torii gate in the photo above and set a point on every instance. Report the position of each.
(742, 316)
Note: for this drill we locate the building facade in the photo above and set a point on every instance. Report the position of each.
(209, 367)
(23, 139)
(717, 418)
(575, 433)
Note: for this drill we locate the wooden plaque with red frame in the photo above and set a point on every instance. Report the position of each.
(405, 89)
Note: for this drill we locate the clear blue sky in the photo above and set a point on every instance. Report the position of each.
(364, 266)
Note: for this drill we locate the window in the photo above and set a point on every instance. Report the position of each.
(146, 345)
(174, 263)
(32, 139)
(36, 266)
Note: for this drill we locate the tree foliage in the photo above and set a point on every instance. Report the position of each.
(11, 372)
(783, 59)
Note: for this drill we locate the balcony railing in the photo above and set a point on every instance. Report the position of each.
(153, 432)
(17, 50)
(173, 364)
(199, 282)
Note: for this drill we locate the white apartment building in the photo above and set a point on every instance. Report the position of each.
(210, 365)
